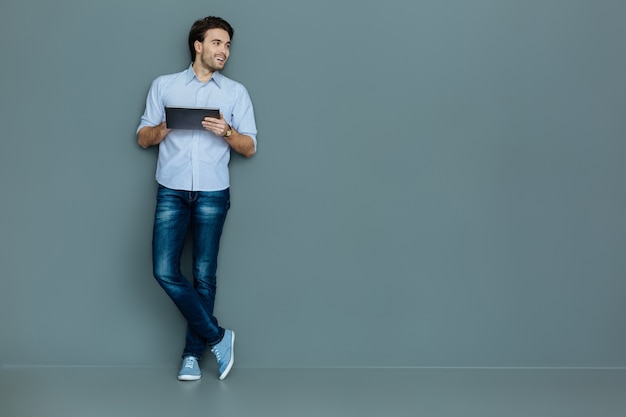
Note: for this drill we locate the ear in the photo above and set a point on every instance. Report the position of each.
(197, 46)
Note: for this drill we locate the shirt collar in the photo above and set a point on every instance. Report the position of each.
(190, 75)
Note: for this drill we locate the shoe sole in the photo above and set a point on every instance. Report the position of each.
(189, 377)
(232, 357)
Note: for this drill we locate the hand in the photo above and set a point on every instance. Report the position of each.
(152, 135)
(218, 126)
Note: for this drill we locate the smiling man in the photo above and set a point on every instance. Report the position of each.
(193, 184)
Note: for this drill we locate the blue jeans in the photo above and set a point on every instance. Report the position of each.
(204, 212)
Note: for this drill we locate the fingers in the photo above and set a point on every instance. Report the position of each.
(217, 126)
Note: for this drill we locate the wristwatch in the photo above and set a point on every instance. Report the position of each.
(228, 132)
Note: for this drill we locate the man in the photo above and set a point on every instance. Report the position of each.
(193, 184)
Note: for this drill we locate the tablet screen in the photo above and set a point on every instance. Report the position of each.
(188, 117)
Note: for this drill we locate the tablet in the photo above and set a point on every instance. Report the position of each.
(188, 117)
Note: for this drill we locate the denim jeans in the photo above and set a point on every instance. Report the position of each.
(204, 212)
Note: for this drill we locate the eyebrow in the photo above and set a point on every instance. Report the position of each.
(219, 40)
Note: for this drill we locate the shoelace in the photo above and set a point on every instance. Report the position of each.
(190, 362)
(217, 353)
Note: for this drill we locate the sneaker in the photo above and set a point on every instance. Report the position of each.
(224, 353)
(189, 371)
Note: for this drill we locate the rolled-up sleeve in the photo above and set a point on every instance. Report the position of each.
(243, 116)
(154, 113)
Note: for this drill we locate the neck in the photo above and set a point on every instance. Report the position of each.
(202, 73)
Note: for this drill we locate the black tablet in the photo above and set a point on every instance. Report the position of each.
(188, 117)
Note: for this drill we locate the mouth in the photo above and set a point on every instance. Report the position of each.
(220, 58)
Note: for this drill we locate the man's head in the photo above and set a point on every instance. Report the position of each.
(199, 30)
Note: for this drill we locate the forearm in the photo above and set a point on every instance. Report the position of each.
(242, 144)
(152, 135)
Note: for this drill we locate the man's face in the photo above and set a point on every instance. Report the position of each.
(213, 52)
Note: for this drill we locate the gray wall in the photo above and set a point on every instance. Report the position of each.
(438, 183)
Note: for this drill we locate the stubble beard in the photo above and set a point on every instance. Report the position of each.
(213, 64)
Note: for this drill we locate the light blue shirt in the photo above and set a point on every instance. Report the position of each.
(197, 160)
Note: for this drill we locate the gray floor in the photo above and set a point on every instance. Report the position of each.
(69, 392)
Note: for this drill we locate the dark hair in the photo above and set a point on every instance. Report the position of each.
(199, 28)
